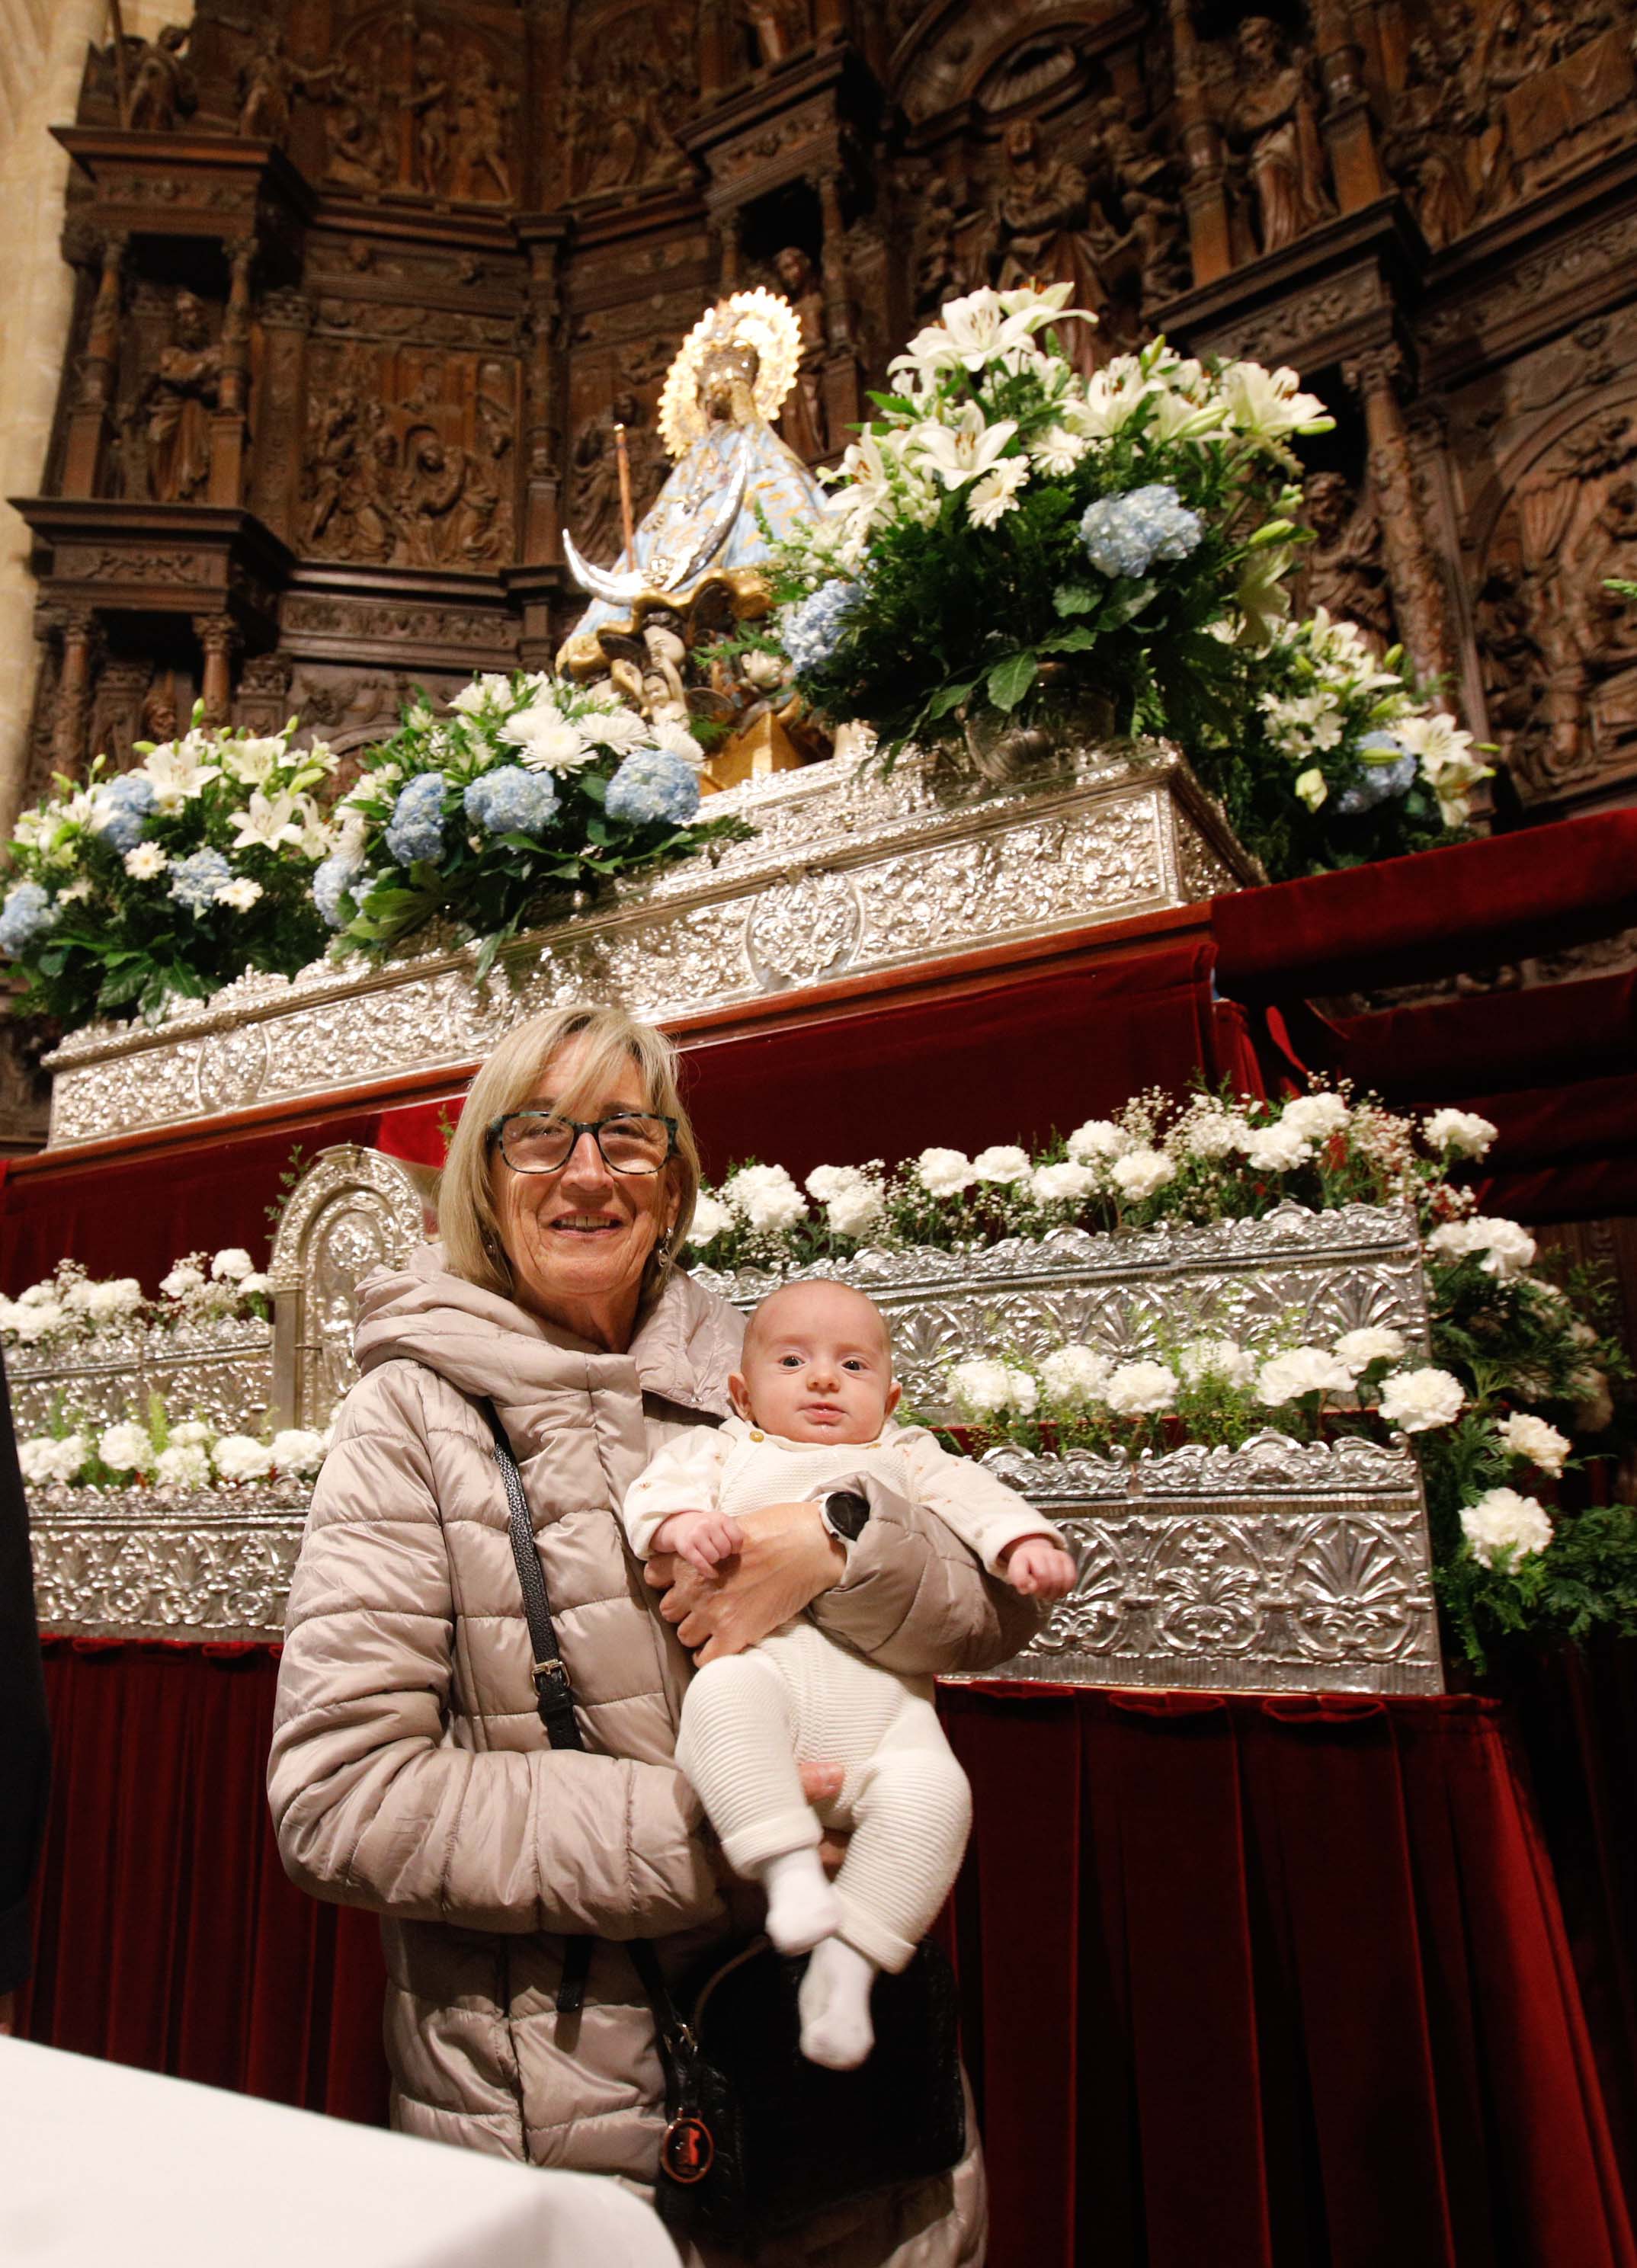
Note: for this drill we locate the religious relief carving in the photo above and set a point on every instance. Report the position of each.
(802, 422)
(267, 84)
(629, 83)
(1344, 569)
(1271, 120)
(1511, 663)
(1042, 221)
(422, 110)
(1550, 73)
(160, 88)
(174, 409)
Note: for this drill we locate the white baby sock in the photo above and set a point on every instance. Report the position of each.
(802, 1907)
(834, 2005)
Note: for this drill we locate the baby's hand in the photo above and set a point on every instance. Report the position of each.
(704, 1539)
(1039, 1568)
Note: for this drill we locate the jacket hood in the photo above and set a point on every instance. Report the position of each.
(686, 1339)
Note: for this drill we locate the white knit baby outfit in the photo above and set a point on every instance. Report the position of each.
(749, 1719)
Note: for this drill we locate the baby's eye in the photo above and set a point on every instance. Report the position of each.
(857, 1362)
(790, 1362)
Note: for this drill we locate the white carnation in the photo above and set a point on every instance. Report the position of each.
(1223, 1358)
(1316, 1117)
(183, 1280)
(1074, 1374)
(711, 1220)
(1003, 1162)
(1464, 1131)
(765, 1196)
(826, 1183)
(238, 1457)
(1139, 1173)
(1277, 1149)
(1213, 1133)
(1304, 1370)
(1065, 1183)
(982, 1388)
(43, 1319)
(254, 1286)
(45, 1458)
(945, 1172)
(297, 1449)
(1507, 1250)
(183, 1465)
(1374, 1343)
(1140, 1389)
(231, 1265)
(1532, 1437)
(126, 1448)
(1594, 1404)
(1417, 1400)
(1500, 1520)
(191, 1432)
(852, 1210)
(111, 1302)
(1100, 1137)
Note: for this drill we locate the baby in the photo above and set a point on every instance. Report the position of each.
(814, 1397)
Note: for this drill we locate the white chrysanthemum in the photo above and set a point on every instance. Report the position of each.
(945, 1172)
(1464, 1131)
(1503, 1521)
(240, 894)
(1067, 1183)
(185, 1464)
(297, 1449)
(1139, 1173)
(1212, 1133)
(1417, 1400)
(1373, 1343)
(1056, 450)
(240, 1457)
(1543, 1445)
(765, 1196)
(191, 1432)
(1002, 1162)
(231, 1264)
(490, 692)
(1074, 1375)
(1314, 1116)
(146, 862)
(990, 498)
(711, 1220)
(1140, 1389)
(1223, 1358)
(1100, 1137)
(984, 1388)
(1304, 1370)
(547, 742)
(126, 1448)
(1277, 1149)
(1506, 1250)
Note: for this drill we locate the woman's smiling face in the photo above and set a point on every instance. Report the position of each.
(579, 1240)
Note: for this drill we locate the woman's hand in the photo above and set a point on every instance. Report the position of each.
(788, 1558)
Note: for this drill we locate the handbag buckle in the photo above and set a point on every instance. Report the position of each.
(689, 2150)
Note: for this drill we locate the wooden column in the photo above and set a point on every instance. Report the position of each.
(1210, 235)
(1349, 132)
(1420, 600)
(841, 362)
(216, 634)
(73, 702)
(542, 507)
(227, 427)
(89, 422)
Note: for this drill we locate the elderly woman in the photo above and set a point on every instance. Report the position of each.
(409, 1772)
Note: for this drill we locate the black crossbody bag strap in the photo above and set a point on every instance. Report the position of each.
(554, 1698)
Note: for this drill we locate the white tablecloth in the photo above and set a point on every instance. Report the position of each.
(101, 2165)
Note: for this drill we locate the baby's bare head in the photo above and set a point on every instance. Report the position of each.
(816, 1365)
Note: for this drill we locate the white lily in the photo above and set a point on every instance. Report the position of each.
(270, 821)
(1267, 404)
(960, 451)
(177, 774)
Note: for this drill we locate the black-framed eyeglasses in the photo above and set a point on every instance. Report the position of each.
(541, 1142)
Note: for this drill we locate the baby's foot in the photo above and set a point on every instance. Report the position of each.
(834, 2000)
(802, 1907)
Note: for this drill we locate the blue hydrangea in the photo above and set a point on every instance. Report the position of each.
(415, 829)
(653, 784)
(337, 872)
(1391, 771)
(511, 801)
(119, 808)
(1126, 534)
(26, 914)
(812, 628)
(195, 879)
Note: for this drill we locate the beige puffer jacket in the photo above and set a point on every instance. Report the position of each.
(409, 1772)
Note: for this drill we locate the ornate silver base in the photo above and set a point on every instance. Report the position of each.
(849, 872)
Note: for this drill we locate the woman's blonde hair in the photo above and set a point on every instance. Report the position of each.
(610, 1039)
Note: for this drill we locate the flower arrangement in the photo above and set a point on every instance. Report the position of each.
(1331, 757)
(532, 790)
(1007, 536)
(171, 879)
(68, 1306)
(1523, 1371)
(165, 1455)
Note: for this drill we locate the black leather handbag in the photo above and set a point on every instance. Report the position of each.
(757, 2139)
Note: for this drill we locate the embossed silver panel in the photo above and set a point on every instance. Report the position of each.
(221, 1371)
(353, 1210)
(155, 1563)
(848, 871)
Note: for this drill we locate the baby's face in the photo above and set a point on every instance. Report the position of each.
(816, 1367)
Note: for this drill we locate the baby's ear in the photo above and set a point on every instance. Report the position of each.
(739, 1393)
(895, 1396)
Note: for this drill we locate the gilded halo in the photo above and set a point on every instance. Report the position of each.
(760, 319)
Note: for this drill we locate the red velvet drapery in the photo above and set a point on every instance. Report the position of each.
(1256, 1984)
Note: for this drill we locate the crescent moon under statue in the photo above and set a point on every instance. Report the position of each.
(618, 586)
